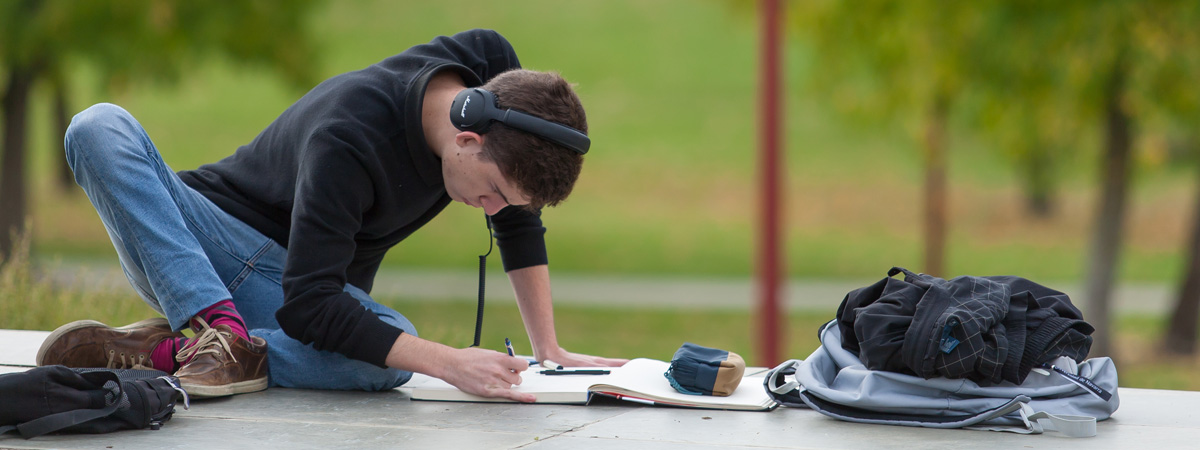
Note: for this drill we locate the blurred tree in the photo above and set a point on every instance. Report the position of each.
(1136, 60)
(1171, 39)
(901, 59)
(1044, 70)
(1023, 107)
(63, 177)
(1069, 60)
(1180, 336)
(1116, 62)
(1032, 135)
(1109, 220)
(128, 41)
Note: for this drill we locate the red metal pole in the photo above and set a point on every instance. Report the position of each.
(770, 250)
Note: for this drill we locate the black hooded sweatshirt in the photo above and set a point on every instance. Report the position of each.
(344, 174)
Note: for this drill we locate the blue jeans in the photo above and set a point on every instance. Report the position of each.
(183, 254)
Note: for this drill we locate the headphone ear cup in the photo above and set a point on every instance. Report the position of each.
(471, 110)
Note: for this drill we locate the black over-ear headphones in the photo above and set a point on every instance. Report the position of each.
(475, 109)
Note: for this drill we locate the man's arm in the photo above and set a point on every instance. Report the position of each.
(532, 288)
(485, 373)
(489, 373)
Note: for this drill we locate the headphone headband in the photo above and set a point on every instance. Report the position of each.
(475, 109)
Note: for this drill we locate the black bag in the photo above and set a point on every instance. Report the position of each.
(57, 399)
(985, 329)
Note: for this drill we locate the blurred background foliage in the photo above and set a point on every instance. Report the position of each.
(1051, 140)
(46, 43)
(670, 87)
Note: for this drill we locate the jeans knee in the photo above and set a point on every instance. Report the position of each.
(91, 128)
(382, 379)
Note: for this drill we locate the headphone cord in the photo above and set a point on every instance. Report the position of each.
(482, 281)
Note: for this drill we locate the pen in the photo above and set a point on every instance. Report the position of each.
(576, 372)
(508, 345)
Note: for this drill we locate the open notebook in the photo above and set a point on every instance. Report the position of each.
(640, 380)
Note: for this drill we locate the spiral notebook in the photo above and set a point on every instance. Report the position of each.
(640, 381)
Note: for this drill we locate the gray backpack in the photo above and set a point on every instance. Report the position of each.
(1063, 396)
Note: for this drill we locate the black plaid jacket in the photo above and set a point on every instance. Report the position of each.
(986, 329)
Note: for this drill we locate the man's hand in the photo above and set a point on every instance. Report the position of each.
(476, 371)
(568, 359)
(487, 373)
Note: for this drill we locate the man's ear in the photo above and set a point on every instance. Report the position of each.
(466, 139)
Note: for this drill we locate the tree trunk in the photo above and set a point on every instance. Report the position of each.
(1110, 216)
(935, 187)
(65, 178)
(14, 106)
(1180, 338)
(1039, 184)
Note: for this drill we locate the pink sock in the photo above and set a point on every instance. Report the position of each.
(223, 313)
(163, 355)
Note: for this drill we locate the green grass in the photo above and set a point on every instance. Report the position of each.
(650, 333)
(28, 303)
(670, 87)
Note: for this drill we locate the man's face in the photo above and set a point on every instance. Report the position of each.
(477, 182)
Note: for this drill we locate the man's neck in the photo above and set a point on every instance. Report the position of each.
(435, 112)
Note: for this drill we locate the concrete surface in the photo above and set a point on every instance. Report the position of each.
(301, 419)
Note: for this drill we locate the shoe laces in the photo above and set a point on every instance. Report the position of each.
(208, 341)
(118, 361)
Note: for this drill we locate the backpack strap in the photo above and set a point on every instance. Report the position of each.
(780, 389)
(1068, 425)
(55, 422)
(860, 415)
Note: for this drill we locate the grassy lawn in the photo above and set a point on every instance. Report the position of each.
(650, 333)
(670, 189)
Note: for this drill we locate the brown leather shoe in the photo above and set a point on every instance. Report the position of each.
(222, 363)
(88, 343)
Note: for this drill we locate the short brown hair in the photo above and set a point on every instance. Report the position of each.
(541, 169)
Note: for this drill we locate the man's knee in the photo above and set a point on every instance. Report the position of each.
(93, 127)
(383, 379)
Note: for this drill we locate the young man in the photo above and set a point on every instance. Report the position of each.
(269, 254)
